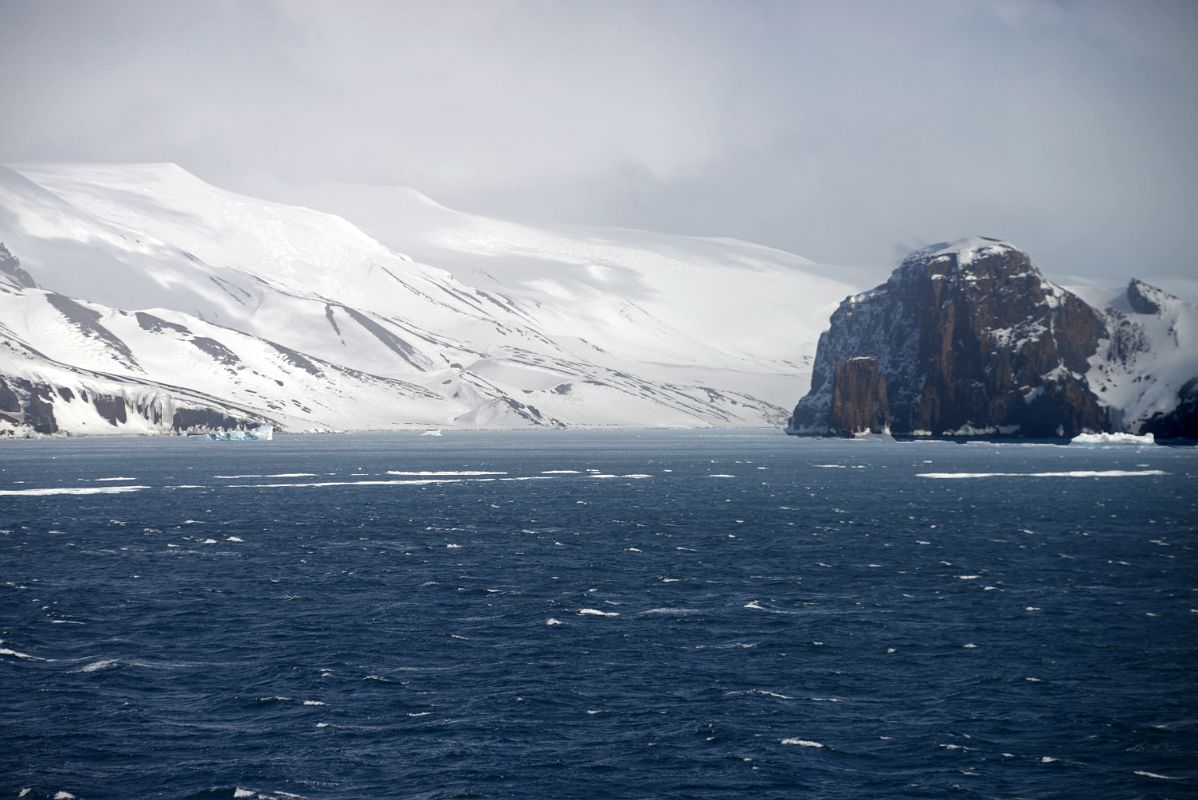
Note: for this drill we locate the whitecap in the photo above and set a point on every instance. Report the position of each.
(273, 475)
(552, 621)
(594, 612)
(234, 539)
(102, 480)
(1080, 473)
(1144, 774)
(968, 577)
(829, 466)
(324, 484)
(239, 793)
(465, 473)
(719, 475)
(6, 651)
(675, 612)
(560, 472)
(314, 702)
(803, 743)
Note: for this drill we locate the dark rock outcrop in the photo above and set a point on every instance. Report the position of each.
(1145, 298)
(1182, 421)
(10, 268)
(859, 402)
(967, 339)
(28, 406)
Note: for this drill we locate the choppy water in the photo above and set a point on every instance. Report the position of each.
(597, 615)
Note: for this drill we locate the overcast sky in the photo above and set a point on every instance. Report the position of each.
(846, 132)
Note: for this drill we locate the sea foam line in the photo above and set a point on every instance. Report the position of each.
(444, 473)
(322, 484)
(1080, 473)
(71, 490)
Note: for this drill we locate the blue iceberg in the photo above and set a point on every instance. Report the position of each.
(262, 433)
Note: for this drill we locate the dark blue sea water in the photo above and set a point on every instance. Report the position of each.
(755, 616)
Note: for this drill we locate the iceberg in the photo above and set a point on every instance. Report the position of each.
(262, 433)
(1092, 439)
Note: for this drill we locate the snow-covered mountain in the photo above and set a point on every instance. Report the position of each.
(138, 298)
(969, 338)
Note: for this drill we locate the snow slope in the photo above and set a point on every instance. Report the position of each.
(1151, 353)
(283, 313)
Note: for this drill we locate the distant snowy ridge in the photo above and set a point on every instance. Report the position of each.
(139, 299)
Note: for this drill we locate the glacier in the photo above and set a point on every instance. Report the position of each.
(139, 299)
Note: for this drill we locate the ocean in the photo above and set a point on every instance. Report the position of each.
(613, 614)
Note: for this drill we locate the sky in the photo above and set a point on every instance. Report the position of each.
(847, 132)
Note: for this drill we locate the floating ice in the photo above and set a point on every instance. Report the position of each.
(262, 433)
(1113, 438)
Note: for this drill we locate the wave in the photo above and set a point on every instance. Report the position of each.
(1077, 473)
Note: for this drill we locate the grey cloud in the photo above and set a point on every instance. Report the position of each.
(841, 131)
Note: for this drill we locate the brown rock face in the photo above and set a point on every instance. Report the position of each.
(969, 339)
(859, 402)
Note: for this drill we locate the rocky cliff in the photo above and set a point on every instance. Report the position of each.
(970, 338)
